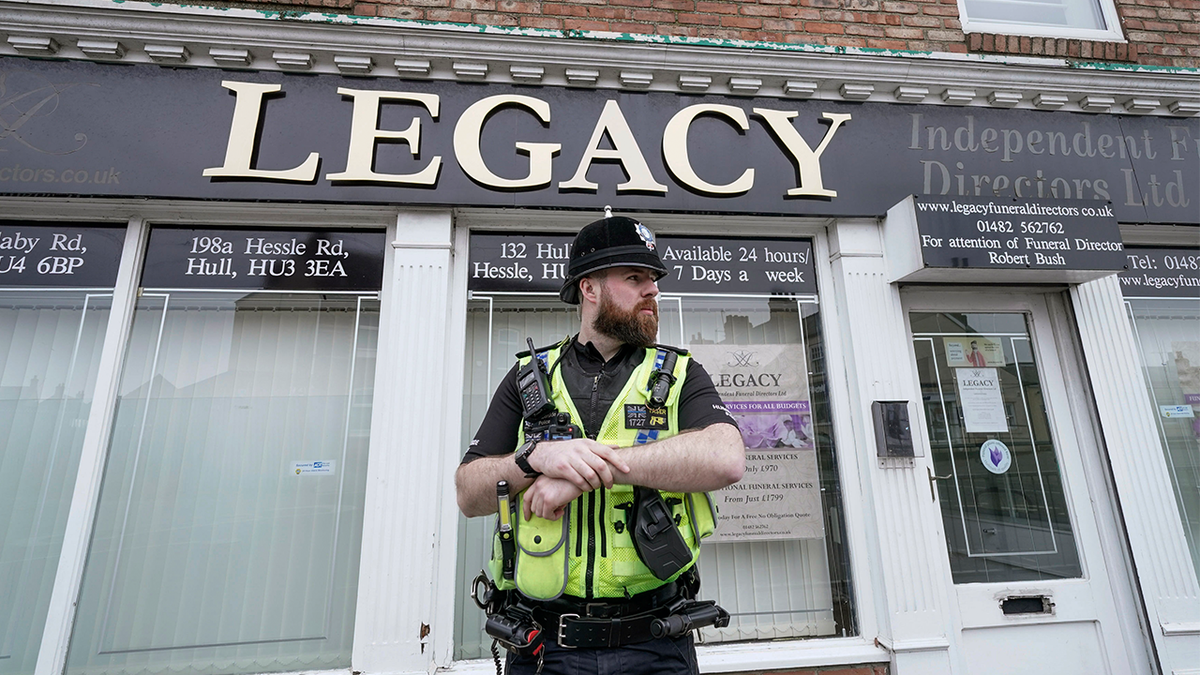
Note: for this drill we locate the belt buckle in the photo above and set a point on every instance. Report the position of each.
(562, 629)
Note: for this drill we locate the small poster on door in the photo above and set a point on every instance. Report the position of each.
(981, 400)
(973, 352)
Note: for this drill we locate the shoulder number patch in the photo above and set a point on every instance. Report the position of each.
(638, 416)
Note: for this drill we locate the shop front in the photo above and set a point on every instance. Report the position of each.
(249, 320)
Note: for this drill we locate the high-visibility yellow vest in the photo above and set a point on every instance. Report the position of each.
(589, 553)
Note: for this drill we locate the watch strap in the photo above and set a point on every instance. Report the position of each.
(522, 458)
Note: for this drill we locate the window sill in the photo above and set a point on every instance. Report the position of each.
(1070, 48)
(750, 656)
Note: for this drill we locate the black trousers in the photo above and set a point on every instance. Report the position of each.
(665, 656)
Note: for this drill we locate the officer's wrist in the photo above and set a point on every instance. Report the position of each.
(521, 457)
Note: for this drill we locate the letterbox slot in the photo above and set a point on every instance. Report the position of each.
(1028, 604)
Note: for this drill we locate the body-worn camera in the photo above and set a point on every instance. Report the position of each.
(553, 427)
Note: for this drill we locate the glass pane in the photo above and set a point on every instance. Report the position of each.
(1002, 500)
(228, 529)
(788, 588)
(50, 344)
(1066, 13)
(1168, 333)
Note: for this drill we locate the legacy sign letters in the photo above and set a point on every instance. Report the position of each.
(365, 137)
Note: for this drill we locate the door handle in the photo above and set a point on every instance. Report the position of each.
(933, 477)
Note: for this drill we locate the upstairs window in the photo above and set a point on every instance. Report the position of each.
(1077, 19)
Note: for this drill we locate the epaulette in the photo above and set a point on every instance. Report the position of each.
(523, 354)
(677, 350)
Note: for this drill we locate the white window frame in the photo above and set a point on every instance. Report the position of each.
(138, 217)
(382, 643)
(1108, 10)
(721, 657)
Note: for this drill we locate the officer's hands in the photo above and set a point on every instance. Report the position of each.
(547, 497)
(583, 462)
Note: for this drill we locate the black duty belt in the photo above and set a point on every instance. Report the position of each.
(606, 622)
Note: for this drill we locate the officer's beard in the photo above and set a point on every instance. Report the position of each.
(628, 326)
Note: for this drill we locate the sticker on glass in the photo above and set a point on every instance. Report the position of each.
(1176, 410)
(973, 352)
(995, 456)
(320, 467)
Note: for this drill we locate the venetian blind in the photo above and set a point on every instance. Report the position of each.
(227, 534)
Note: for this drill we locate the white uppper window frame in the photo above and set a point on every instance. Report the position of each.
(1080, 19)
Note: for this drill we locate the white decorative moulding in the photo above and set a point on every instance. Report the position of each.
(910, 94)
(1141, 105)
(33, 45)
(102, 49)
(958, 96)
(293, 60)
(168, 53)
(857, 91)
(581, 77)
(695, 82)
(529, 74)
(230, 57)
(800, 88)
(636, 79)
(353, 65)
(1184, 107)
(412, 68)
(469, 71)
(745, 85)
(1092, 103)
(1005, 99)
(1050, 101)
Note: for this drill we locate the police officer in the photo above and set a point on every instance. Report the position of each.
(605, 371)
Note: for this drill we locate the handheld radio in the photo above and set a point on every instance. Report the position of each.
(534, 387)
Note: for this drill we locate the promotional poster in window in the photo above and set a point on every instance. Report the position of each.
(765, 387)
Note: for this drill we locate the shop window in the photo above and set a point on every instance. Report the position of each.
(51, 337)
(228, 528)
(1165, 311)
(780, 567)
(1086, 19)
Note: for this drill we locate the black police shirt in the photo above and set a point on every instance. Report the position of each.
(593, 385)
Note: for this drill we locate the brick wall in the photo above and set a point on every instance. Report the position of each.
(1160, 32)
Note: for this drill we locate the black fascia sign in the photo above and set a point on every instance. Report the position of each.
(1056, 235)
(143, 131)
(284, 260)
(1161, 273)
(62, 255)
(535, 262)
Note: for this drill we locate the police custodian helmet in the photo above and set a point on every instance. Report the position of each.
(614, 241)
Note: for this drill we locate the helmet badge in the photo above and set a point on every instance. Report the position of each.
(646, 235)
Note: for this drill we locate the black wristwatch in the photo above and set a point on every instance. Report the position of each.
(522, 458)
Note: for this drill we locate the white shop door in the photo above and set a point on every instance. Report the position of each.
(1032, 589)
